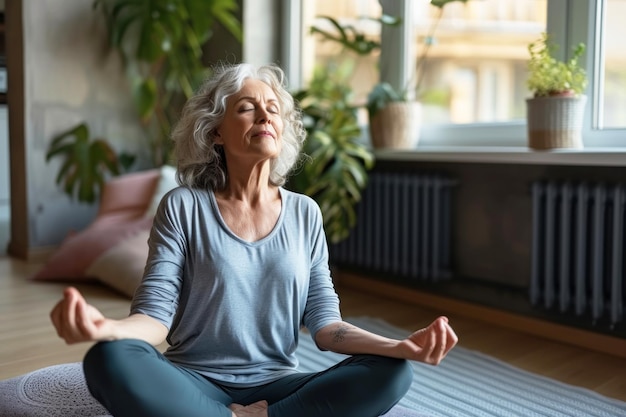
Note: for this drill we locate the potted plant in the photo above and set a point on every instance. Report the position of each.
(394, 120)
(555, 112)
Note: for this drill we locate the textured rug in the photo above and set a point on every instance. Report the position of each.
(466, 384)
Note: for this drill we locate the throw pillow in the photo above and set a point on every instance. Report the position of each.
(121, 212)
(122, 266)
(167, 182)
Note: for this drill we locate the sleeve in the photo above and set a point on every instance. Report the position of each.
(322, 305)
(158, 294)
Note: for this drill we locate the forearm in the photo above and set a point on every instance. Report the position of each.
(139, 326)
(342, 337)
(429, 345)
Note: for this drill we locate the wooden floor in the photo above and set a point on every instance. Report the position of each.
(28, 340)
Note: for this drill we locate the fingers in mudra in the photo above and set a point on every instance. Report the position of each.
(434, 341)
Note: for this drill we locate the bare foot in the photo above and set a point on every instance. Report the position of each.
(257, 409)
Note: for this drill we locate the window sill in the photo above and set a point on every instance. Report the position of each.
(508, 155)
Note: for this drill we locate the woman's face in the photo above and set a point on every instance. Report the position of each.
(252, 125)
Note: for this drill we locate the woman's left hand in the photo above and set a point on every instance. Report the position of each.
(430, 344)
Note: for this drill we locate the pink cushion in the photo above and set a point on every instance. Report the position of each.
(121, 267)
(128, 196)
(121, 215)
(77, 252)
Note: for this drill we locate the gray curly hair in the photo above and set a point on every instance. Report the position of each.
(201, 162)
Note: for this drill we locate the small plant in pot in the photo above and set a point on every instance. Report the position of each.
(555, 112)
(394, 119)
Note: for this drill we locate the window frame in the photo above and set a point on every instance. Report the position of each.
(569, 23)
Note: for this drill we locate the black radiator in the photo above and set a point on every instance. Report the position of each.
(578, 248)
(403, 227)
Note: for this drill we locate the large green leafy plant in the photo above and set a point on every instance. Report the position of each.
(335, 171)
(161, 43)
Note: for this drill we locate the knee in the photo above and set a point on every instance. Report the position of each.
(403, 372)
(103, 353)
(106, 358)
(397, 375)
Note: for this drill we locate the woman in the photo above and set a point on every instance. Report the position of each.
(237, 265)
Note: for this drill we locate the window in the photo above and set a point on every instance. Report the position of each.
(476, 66)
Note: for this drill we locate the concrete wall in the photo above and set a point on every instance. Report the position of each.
(69, 78)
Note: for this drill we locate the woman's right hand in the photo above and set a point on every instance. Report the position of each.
(77, 321)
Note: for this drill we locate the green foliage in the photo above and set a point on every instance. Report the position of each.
(161, 42)
(87, 162)
(350, 38)
(435, 97)
(353, 40)
(358, 42)
(549, 76)
(336, 172)
(441, 3)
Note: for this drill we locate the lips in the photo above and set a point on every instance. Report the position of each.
(264, 133)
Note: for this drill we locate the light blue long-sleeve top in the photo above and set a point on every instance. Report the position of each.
(234, 308)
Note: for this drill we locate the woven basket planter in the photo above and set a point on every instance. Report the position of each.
(555, 122)
(396, 126)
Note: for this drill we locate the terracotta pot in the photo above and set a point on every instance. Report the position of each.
(555, 122)
(396, 126)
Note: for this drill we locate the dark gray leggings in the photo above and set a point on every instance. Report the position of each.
(132, 378)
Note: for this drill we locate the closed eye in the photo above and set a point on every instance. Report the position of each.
(273, 108)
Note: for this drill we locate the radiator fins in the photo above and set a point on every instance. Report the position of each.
(578, 248)
(403, 227)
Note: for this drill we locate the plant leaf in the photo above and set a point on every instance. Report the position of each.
(145, 95)
(85, 163)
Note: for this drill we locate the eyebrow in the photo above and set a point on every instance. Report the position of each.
(250, 98)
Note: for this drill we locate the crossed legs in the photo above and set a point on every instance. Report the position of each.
(131, 378)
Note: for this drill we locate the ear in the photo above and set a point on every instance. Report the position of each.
(218, 137)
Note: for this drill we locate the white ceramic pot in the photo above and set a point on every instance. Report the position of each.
(555, 122)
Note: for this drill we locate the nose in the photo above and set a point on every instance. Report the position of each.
(264, 117)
